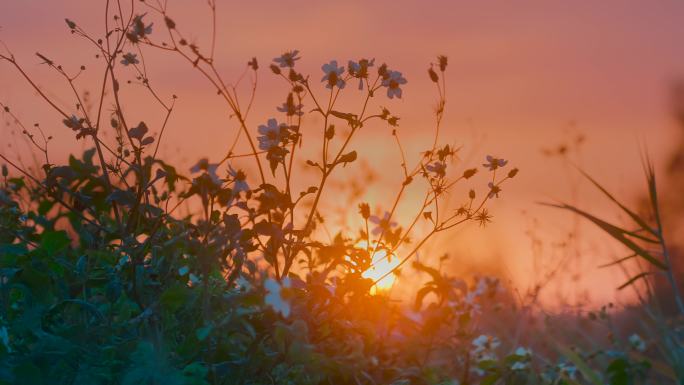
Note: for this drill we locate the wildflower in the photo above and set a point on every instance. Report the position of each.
(287, 59)
(275, 297)
(129, 58)
(383, 225)
(483, 217)
(364, 210)
(270, 135)
(210, 168)
(523, 352)
(519, 365)
(360, 69)
(73, 122)
(194, 280)
(485, 343)
(494, 190)
(439, 168)
(637, 343)
(290, 108)
(243, 284)
(239, 180)
(494, 163)
(333, 75)
(4, 337)
(442, 62)
(393, 80)
(139, 30)
(567, 370)
(183, 270)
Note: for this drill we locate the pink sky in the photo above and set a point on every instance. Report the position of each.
(522, 76)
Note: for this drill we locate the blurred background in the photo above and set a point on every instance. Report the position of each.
(546, 85)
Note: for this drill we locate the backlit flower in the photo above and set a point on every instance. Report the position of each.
(438, 168)
(637, 343)
(383, 224)
(210, 168)
(494, 190)
(393, 80)
(287, 59)
(129, 58)
(360, 69)
(270, 135)
(239, 180)
(275, 297)
(494, 163)
(333, 75)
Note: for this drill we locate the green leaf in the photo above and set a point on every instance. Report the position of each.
(174, 297)
(54, 241)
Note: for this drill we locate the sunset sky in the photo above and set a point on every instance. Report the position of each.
(523, 76)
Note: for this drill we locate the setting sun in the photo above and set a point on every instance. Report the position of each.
(381, 269)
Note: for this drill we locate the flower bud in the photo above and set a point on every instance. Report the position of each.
(433, 75)
(467, 174)
(275, 69)
(513, 173)
(471, 194)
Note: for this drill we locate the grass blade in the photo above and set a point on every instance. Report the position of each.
(615, 232)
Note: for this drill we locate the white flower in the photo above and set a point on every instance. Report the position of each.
(360, 69)
(239, 180)
(383, 224)
(139, 27)
(130, 58)
(291, 109)
(438, 168)
(519, 366)
(485, 343)
(243, 284)
(393, 80)
(274, 298)
(567, 369)
(194, 280)
(333, 75)
(4, 337)
(522, 352)
(287, 59)
(637, 343)
(494, 190)
(210, 168)
(494, 163)
(270, 135)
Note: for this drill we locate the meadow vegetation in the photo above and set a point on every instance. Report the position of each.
(104, 281)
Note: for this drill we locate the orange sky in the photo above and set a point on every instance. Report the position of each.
(523, 76)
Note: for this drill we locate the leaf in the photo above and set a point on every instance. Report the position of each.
(634, 279)
(615, 232)
(139, 131)
(618, 261)
(54, 241)
(633, 215)
(122, 197)
(174, 297)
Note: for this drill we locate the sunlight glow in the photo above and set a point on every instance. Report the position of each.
(381, 265)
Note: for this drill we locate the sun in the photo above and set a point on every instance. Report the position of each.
(381, 265)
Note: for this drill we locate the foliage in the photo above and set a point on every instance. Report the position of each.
(102, 281)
